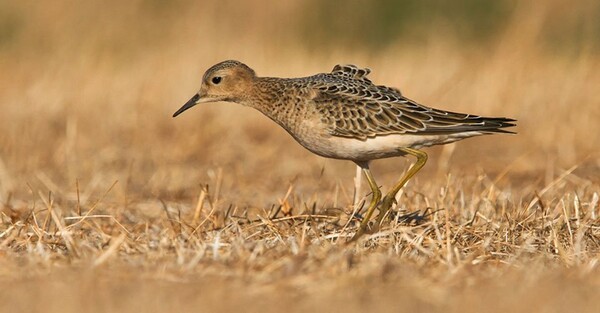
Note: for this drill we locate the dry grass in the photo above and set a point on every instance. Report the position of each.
(108, 204)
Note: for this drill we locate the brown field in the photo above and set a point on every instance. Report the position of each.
(110, 205)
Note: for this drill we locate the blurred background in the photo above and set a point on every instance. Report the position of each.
(87, 90)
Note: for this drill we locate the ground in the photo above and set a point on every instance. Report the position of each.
(109, 204)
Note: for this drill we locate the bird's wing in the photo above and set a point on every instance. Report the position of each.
(351, 71)
(356, 108)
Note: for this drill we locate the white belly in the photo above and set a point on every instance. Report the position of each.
(376, 148)
(314, 136)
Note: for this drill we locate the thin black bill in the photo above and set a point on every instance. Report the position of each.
(187, 105)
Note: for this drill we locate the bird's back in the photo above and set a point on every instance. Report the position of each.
(354, 107)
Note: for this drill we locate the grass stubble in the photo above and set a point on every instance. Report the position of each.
(110, 205)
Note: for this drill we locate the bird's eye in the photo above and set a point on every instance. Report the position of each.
(216, 80)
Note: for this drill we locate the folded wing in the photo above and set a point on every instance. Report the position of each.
(354, 107)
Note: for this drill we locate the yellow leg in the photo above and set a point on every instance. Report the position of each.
(374, 201)
(390, 198)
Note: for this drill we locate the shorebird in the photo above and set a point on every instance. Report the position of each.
(343, 115)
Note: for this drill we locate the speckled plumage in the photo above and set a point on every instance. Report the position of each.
(344, 115)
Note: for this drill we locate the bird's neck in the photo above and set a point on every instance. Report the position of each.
(271, 97)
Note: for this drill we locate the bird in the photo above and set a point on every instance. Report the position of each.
(343, 115)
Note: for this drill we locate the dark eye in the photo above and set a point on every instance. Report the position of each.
(216, 80)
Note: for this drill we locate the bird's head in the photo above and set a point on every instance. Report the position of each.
(225, 81)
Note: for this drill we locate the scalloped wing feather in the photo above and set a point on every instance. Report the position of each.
(351, 71)
(356, 110)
